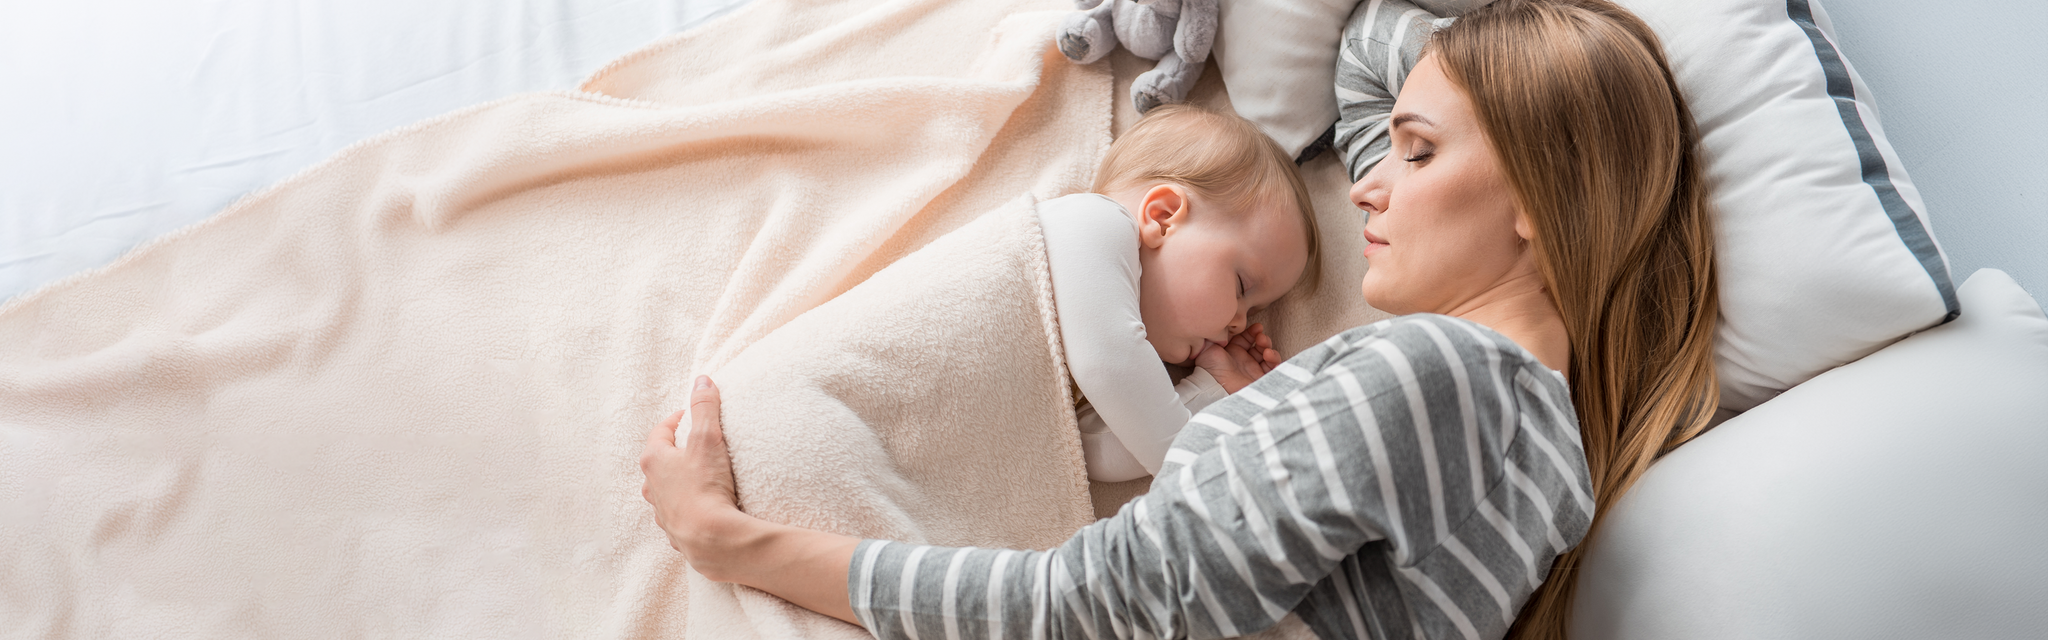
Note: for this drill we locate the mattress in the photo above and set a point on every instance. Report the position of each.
(129, 119)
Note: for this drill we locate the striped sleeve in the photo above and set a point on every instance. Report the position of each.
(1347, 487)
(1381, 42)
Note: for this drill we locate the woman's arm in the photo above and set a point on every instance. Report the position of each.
(1392, 435)
(1179, 562)
(1342, 487)
(692, 490)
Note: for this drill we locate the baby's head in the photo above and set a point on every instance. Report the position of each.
(1224, 223)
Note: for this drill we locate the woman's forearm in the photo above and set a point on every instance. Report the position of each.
(806, 567)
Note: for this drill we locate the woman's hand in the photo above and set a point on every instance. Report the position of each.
(1238, 363)
(696, 502)
(692, 487)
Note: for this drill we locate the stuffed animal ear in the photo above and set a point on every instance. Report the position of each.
(1196, 31)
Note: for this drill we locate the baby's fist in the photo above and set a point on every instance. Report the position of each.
(1236, 364)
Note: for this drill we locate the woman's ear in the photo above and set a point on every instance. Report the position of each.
(1163, 210)
(1524, 227)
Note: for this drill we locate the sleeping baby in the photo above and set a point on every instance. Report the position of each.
(1196, 220)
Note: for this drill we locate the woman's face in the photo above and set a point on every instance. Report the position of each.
(1442, 225)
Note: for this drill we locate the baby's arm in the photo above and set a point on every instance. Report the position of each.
(1107, 457)
(1091, 247)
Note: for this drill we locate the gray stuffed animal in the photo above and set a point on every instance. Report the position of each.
(1177, 33)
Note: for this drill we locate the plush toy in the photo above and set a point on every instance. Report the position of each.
(1177, 33)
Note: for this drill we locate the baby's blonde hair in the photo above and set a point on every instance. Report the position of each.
(1219, 156)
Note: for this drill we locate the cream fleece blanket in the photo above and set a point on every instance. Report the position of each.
(930, 403)
(403, 393)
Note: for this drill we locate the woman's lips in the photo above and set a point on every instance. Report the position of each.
(1373, 243)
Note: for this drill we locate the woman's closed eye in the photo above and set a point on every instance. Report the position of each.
(1422, 153)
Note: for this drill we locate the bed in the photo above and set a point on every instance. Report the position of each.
(1740, 526)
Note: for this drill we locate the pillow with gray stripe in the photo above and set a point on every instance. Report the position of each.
(1824, 247)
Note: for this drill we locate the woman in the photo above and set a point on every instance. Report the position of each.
(1426, 476)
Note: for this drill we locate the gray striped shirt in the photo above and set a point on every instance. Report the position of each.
(1411, 478)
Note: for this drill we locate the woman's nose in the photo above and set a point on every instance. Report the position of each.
(1369, 194)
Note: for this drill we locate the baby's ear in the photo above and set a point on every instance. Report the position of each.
(1164, 208)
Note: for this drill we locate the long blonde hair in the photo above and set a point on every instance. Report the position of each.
(1597, 143)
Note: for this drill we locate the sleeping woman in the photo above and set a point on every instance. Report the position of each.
(1539, 219)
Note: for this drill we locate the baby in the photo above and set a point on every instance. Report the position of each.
(1196, 220)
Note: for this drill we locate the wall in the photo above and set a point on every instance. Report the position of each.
(1962, 89)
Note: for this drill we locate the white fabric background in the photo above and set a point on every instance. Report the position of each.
(1960, 86)
(125, 119)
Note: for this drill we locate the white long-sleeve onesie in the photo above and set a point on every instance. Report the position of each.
(1134, 409)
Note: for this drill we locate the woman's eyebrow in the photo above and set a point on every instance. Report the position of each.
(1406, 118)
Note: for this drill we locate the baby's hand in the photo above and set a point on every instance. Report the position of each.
(1247, 356)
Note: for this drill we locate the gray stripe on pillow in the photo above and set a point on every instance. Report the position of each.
(1911, 230)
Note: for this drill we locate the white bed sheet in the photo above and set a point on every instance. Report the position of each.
(126, 119)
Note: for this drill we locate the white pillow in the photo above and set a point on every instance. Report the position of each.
(1825, 253)
(1825, 250)
(1899, 496)
(1279, 57)
(1279, 60)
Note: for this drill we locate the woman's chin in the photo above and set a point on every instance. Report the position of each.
(1378, 297)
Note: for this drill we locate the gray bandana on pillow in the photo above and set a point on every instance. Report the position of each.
(1382, 40)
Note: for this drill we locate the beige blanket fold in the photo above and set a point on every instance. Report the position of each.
(929, 404)
(403, 393)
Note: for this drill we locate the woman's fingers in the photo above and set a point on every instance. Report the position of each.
(664, 433)
(691, 488)
(707, 451)
(708, 456)
(656, 461)
(704, 424)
